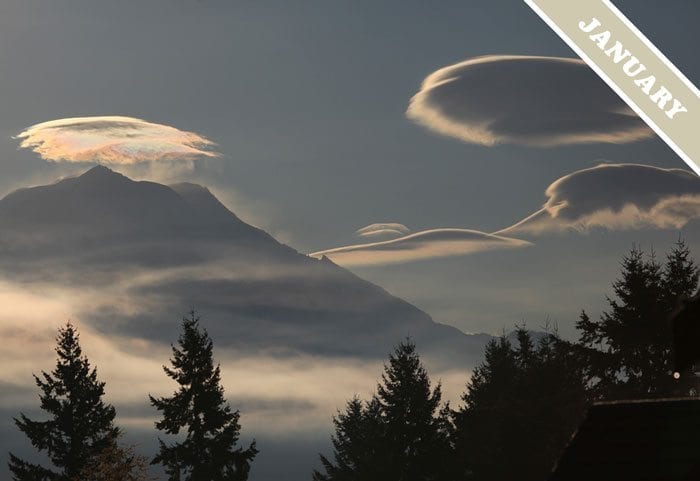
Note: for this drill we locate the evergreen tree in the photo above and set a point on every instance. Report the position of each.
(519, 409)
(208, 452)
(80, 423)
(357, 444)
(400, 435)
(416, 445)
(628, 350)
(553, 400)
(482, 441)
(680, 275)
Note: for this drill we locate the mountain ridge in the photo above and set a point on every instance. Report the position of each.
(256, 292)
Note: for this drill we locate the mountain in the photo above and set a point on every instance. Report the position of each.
(169, 248)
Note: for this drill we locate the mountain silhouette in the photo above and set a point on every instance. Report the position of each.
(255, 293)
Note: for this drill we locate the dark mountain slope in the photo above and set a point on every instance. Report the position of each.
(103, 229)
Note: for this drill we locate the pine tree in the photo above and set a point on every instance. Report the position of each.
(208, 452)
(80, 423)
(680, 282)
(628, 350)
(357, 444)
(401, 434)
(482, 439)
(554, 398)
(680, 275)
(416, 445)
(528, 394)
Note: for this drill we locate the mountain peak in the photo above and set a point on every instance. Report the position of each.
(100, 171)
(104, 205)
(102, 177)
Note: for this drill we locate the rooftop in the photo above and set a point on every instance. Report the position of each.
(645, 440)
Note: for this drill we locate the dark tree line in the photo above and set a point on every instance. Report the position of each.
(523, 402)
(627, 351)
(81, 439)
(401, 433)
(519, 407)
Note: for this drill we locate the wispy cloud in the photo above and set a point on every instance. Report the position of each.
(420, 245)
(113, 140)
(616, 197)
(541, 101)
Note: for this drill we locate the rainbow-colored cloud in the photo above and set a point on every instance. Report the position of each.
(113, 140)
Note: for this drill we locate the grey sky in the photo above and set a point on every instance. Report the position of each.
(307, 101)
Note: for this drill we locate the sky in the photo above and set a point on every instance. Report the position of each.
(315, 119)
(306, 103)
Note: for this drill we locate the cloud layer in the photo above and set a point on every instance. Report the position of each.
(418, 246)
(113, 140)
(276, 394)
(540, 101)
(616, 197)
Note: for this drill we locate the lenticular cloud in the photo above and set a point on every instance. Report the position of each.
(526, 100)
(386, 229)
(428, 244)
(112, 140)
(616, 197)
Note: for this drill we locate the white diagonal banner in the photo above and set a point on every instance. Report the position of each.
(633, 67)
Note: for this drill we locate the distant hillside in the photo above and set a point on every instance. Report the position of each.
(254, 292)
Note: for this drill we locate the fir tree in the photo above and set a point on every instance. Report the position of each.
(357, 443)
(401, 434)
(208, 452)
(417, 447)
(553, 400)
(628, 350)
(482, 440)
(531, 394)
(680, 274)
(80, 423)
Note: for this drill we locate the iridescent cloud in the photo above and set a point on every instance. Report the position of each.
(113, 140)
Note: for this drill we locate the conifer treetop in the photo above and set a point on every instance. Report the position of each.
(198, 406)
(80, 423)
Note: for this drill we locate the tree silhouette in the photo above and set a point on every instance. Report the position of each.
(80, 423)
(415, 442)
(680, 274)
(208, 452)
(628, 350)
(481, 426)
(358, 444)
(519, 409)
(399, 434)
